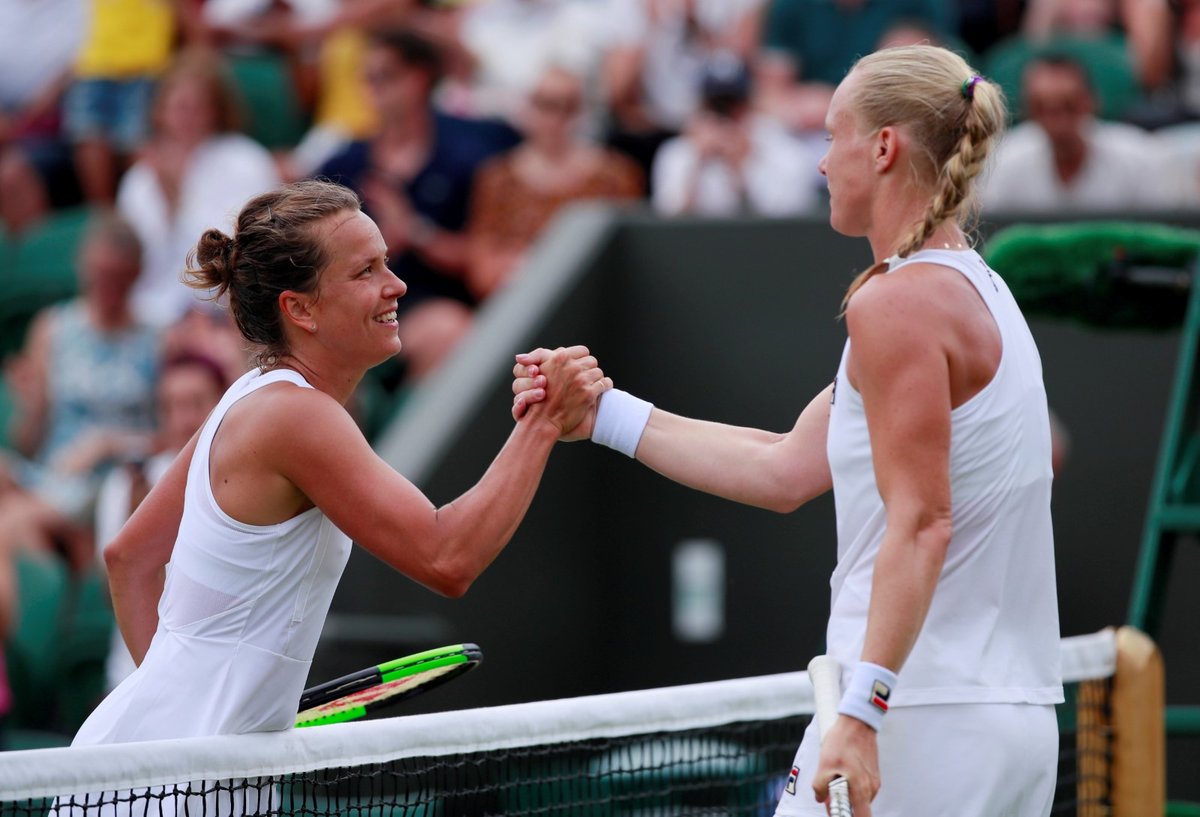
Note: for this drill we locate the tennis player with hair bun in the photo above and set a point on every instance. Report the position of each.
(256, 515)
(935, 439)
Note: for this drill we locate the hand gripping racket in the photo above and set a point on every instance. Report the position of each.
(353, 696)
(826, 678)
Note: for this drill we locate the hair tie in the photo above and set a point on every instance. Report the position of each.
(968, 86)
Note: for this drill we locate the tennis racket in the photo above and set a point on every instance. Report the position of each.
(826, 678)
(353, 696)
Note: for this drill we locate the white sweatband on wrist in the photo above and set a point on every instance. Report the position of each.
(867, 694)
(620, 420)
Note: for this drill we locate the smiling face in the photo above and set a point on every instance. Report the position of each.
(354, 308)
(847, 164)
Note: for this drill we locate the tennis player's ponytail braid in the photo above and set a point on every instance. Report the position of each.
(953, 116)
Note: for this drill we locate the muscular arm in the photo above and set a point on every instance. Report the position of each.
(444, 548)
(901, 368)
(900, 365)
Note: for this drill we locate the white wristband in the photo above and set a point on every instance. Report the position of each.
(620, 420)
(867, 694)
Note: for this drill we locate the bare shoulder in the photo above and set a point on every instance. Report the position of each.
(290, 419)
(912, 306)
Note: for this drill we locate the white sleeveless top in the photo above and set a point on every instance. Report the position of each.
(239, 617)
(991, 635)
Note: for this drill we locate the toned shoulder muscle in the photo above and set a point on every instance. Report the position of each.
(302, 449)
(925, 311)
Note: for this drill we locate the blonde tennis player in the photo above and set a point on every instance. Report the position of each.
(935, 439)
(256, 515)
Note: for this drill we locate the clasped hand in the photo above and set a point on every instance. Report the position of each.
(563, 385)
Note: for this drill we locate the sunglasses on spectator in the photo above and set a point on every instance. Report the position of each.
(560, 105)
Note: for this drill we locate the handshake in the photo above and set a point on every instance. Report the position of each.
(561, 386)
(565, 387)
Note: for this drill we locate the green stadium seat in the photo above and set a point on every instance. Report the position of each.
(82, 649)
(40, 271)
(268, 94)
(1107, 62)
(31, 651)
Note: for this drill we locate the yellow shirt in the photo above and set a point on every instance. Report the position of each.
(344, 103)
(127, 38)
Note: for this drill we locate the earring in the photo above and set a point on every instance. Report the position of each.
(312, 328)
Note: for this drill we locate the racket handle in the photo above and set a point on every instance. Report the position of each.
(825, 674)
(839, 798)
(826, 677)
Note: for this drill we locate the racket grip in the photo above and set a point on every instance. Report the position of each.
(826, 677)
(839, 798)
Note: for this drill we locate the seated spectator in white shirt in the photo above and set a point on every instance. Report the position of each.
(1064, 159)
(730, 160)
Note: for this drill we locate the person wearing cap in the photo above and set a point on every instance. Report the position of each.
(731, 160)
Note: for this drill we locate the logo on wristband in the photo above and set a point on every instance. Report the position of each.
(880, 692)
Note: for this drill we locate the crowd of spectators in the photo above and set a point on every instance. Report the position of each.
(465, 126)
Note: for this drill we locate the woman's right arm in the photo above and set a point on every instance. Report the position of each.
(137, 557)
(779, 472)
(444, 548)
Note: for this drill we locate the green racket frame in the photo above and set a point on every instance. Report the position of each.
(453, 660)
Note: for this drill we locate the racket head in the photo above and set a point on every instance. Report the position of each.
(355, 695)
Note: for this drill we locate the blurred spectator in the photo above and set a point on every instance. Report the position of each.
(1125, 45)
(189, 386)
(195, 172)
(83, 387)
(38, 44)
(415, 177)
(809, 45)
(731, 160)
(510, 43)
(209, 331)
(983, 23)
(1064, 159)
(342, 109)
(1187, 43)
(653, 67)
(518, 192)
(1142, 26)
(106, 110)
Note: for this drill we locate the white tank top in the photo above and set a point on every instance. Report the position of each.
(991, 634)
(239, 618)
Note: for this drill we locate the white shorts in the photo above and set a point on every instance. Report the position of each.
(953, 760)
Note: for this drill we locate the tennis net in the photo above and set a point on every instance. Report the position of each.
(720, 748)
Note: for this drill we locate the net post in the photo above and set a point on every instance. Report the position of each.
(1093, 728)
(1139, 733)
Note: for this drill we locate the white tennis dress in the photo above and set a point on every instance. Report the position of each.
(971, 730)
(239, 617)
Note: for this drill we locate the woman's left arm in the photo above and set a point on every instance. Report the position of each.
(900, 362)
(900, 366)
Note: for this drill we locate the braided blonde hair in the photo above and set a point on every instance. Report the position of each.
(951, 113)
